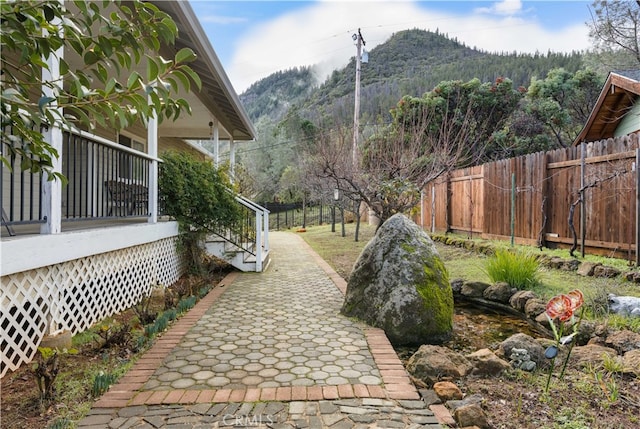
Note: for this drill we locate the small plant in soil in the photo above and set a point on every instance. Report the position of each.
(113, 335)
(101, 383)
(46, 369)
(144, 312)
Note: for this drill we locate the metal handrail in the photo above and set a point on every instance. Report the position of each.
(251, 232)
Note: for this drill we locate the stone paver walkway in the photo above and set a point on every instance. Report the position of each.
(267, 350)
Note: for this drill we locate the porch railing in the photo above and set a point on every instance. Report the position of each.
(20, 189)
(105, 180)
(251, 232)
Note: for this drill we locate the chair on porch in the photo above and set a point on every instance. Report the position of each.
(125, 197)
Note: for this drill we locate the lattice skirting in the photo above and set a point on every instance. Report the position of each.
(76, 294)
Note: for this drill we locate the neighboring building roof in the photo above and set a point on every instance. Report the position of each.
(217, 93)
(619, 93)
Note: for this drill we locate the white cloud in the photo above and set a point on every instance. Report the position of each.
(504, 7)
(321, 33)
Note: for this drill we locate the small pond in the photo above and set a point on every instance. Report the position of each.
(478, 328)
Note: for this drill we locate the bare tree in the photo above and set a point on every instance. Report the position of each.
(397, 162)
(615, 27)
(448, 128)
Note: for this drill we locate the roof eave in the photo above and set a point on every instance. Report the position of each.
(182, 11)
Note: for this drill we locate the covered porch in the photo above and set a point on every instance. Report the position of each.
(74, 253)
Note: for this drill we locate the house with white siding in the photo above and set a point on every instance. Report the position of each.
(74, 254)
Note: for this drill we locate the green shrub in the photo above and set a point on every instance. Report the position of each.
(518, 269)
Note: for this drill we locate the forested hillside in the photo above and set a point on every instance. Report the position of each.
(274, 95)
(411, 62)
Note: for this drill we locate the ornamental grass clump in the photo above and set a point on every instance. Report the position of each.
(518, 269)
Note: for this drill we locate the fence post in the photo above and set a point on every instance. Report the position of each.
(513, 208)
(433, 207)
(583, 197)
(638, 207)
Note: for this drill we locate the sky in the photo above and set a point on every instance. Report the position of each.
(254, 39)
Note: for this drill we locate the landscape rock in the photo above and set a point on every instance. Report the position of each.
(429, 397)
(597, 341)
(520, 298)
(534, 307)
(586, 269)
(456, 286)
(471, 415)
(467, 400)
(604, 271)
(400, 284)
(555, 262)
(570, 265)
(486, 363)
(523, 341)
(631, 362)
(474, 289)
(623, 341)
(499, 292)
(447, 390)
(586, 331)
(62, 340)
(591, 354)
(624, 305)
(431, 363)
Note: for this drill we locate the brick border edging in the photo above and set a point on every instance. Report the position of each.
(127, 387)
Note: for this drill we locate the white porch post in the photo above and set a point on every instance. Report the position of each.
(152, 142)
(258, 241)
(52, 189)
(216, 143)
(232, 159)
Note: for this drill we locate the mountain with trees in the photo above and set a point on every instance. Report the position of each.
(276, 93)
(411, 62)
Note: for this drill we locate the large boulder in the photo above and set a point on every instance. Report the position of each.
(400, 284)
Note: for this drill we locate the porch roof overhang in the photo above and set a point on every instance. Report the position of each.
(217, 99)
(618, 95)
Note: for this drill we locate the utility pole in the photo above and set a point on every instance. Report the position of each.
(356, 113)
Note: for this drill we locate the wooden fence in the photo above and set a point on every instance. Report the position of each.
(530, 199)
